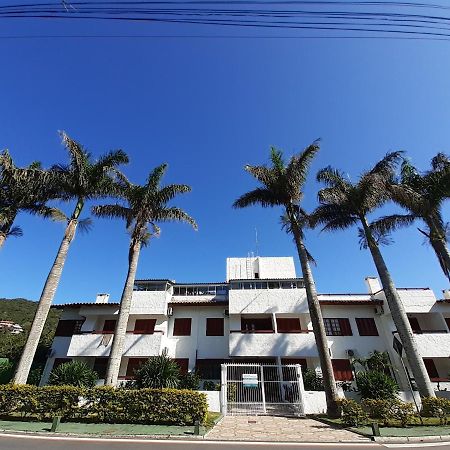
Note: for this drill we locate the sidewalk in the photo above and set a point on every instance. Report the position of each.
(279, 429)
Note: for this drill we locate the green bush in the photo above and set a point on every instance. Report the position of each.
(353, 415)
(209, 385)
(312, 381)
(388, 410)
(73, 373)
(158, 372)
(436, 407)
(377, 385)
(190, 380)
(6, 371)
(104, 404)
(403, 412)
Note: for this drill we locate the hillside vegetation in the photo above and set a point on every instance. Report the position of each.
(21, 311)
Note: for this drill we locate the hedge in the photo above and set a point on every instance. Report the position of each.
(104, 404)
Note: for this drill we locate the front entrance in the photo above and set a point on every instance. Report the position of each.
(262, 389)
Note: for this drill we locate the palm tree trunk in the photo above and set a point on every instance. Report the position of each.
(317, 324)
(5, 229)
(2, 238)
(45, 302)
(399, 317)
(439, 243)
(115, 357)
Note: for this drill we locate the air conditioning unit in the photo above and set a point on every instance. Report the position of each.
(379, 310)
(351, 353)
(170, 311)
(226, 312)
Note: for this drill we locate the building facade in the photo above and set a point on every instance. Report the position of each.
(259, 314)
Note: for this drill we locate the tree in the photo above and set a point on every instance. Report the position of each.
(158, 372)
(145, 207)
(282, 185)
(422, 195)
(344, 204)
(83, 179)
(21, 189)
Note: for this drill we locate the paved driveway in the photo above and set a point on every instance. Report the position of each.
(281, 429)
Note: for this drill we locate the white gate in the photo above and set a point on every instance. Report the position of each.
(256, 389)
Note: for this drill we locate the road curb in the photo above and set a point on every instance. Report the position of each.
(410, 439)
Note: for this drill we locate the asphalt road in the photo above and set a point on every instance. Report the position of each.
(11, 442)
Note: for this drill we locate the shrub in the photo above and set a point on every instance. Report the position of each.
(387, 410)
(436, 407)
(105, 404)
(209, 385)
(6, 371)
(377, 385)
(73, 373)
(402, 411)
(312, 381)
(158, 372)
(353, 414)
(190, 380)
(34, 377)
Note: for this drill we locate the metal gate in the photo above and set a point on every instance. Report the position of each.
(256, 389)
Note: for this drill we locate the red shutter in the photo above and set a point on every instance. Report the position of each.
(414, 324)
(431, 368)
(182, 327)
(144, 326)
(109, 326)
(183, 364)
(342, 370)
(68, 327)
(214, 327)
(288, 325)
(346, 329)
(367, 327)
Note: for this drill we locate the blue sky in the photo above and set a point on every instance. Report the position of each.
(207, 107)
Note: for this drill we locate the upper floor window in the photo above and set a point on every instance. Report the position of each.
(182, 327)
(256, 324)
(337, 327)
(144, 326)
(68, 327)
(150, 287)
(367, 326)
(200, 290)
(214, 326)
(288, 325)
(268, 285)
(414, 322)
(109, 326)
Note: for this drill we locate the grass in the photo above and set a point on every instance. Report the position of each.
(109, 429)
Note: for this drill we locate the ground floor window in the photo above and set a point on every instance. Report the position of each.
(100, 365)
(342, 370)
(183, 364)
(133, 365)
(431, 368)
(209, 369)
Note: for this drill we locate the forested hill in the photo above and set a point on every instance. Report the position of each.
(21, 311)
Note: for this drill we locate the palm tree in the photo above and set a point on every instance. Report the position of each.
(282, 185)
(344, 204)
(21, 189)
(83, 179)
(145, 206)
(422, 196)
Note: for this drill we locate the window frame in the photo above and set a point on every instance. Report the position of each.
(366, 326)
(179, 330)
(214, 330)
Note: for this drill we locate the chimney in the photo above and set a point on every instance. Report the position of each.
(102, 298)
(373, 284)
(446, 293)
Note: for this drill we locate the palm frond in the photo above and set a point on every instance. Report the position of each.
(297, 169)
(79, 158)
(155, 177)
(174, 214)
(263, 174)
(85, 225)
(15, 231)
(276, 157)
(169, 192)
(440, 162)
(114, 211)
(379, 238)
(388, 164)
(332, 177)
(388, 224)
(259, 196)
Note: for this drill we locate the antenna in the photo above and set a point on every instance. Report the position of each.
(256, 242)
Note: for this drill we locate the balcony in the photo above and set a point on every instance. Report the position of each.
(94, 344)
(433, 344)
(272, 344)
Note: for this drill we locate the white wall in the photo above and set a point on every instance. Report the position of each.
(266, 267)
(213, 398)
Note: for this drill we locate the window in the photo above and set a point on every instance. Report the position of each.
(214, 327)
(367, 327)
(431, 368)
(414, 322)
(133, 365)
(144, 326)
(149, 287)
(342, 370)
(183, 364)
(288, 325)
(250, 324)
(100, 365)
(182, 327)
(109, 326)
(68, 327)
(337, 327)
(209, 369)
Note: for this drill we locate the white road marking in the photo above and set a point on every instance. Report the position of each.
(183, 442)
(418, 444)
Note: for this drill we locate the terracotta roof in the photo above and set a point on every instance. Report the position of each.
(83, 304)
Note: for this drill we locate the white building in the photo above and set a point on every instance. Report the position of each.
(259, 314)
